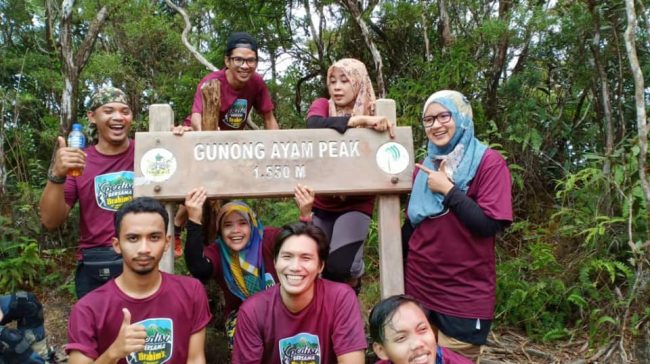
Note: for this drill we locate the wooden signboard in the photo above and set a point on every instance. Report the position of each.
(269, 163)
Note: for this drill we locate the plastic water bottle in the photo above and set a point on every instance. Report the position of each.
(76, 139)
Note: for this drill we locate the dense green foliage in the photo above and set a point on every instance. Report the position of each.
(558, 105)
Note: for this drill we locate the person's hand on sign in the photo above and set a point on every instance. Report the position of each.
(194, 203)
(304, 197)
(378, 123)
(437, 181)
(181, 129)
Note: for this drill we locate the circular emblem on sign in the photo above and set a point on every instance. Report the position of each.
(392, 158)
(158, 164)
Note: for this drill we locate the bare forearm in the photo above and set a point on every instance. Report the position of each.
(77, 357)
(106, 358)
(269, 121)
(200, 360)
(196, 349)
(196, 121)
(53, 208)
(351, 358)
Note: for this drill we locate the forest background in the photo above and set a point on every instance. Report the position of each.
(556, 86)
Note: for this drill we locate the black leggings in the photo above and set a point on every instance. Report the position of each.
(347, 231)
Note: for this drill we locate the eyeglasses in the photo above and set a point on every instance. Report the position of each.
(238, 61)
(443, 118)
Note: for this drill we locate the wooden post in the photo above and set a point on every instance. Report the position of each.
(211, 94)
(161, 118)
(391, 272)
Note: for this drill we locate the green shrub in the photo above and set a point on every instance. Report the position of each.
(20, 262)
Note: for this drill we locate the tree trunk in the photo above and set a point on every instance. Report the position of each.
(74, 62)
(444, 27)
(298, 98)
(68, 100)
(425, 33)
(351, 5)
(188, 26)
(643, 13)
(3, 168)
(528, 35)
(317, 38)
(49, 26)
(211, 94)
(639, 100)
(619, 91)
(274, 73)
(497, 65)
(601, 75)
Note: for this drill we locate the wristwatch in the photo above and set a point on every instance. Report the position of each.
(54, 178)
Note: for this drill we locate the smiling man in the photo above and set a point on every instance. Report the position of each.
(104, 185)
(143, 315)
(303, 319)
(241, 87)
(401, 334)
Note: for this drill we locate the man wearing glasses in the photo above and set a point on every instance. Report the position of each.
(241, 88)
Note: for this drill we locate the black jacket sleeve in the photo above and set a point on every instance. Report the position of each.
(338, 123)
(471, 214)
(199, 266)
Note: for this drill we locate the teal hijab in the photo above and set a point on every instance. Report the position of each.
(462, 156)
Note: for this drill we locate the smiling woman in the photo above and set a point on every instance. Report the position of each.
(401, 334)
(438, 127)
(241, 259)
(461, 198)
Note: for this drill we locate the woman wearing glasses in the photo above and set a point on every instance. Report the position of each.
(461, 198)
(346, 219)
(241, 88)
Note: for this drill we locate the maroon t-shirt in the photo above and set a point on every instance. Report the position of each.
(104, 186)
(320, 107)
(449, 269)
(334, 203)
(330, 326)
(175, 312)
(235, 104)
(212, 252)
